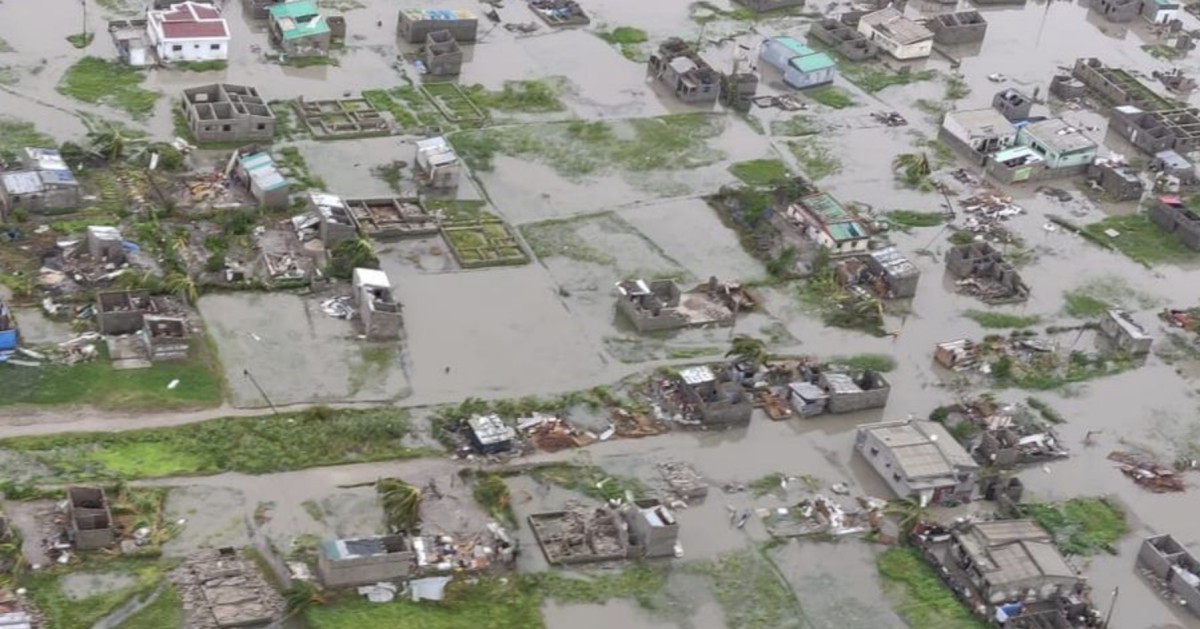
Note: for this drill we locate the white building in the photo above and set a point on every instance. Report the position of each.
(897, 35)
(437, 164)
(188, 31)
(918, 458)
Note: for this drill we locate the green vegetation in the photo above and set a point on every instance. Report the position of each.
(1081, 526)
(751, 591)
(795, 126)
(253, 446)
(560, 237)
(769, 485)
(703, 12)
(482, 240)
(98, 383)
(411, 109)
(578, 149)
(1084, 306)
(291, 159)
(917, 593)
(310, 61)
(912, 218)
(112, 83)
(534, 96)
(81, 40)
(1140, 239)
(15, 135)
(493, 495)
(815, 159)
(638, 582)
(590, 480)
(1047, 412)
(165, 611)
(401, 504)
(628, 39)
(65, 612)
(956, 87)
(760, 172)
(914, 168)
(991, 319)
(866, 362)
(1166, 53)
(831, 96)
(875, 77)
(1095, 297)
(821, 294)
(5, 46)
(211, 65)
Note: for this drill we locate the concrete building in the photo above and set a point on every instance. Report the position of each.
(222, 112)
(1160, 130)
(963, 27)
(1011, 561)
(365, 560)
(977, 133)
(165, 338)
(1174, 566)
(1172, 164)
(104, 244)
(717, 396)
(123, 312)
(763, 6)
(994, 280)
(335, 223)
(1061, 146)
(580, 536)
(132, 41)
(391, 218)
(298, 28)
(1160, 11)
(843, 38)
(824, 221)
(377, 308)
(1124, 334)
(442, 54)
(414, 25)
(1118, 11)
(560, 12)
(1169, 213)
(653, 529)
(188, 31)
(1118, 181)
(807, 399)
(266, 184)
(850, 394)
(897, 35)
(437, 165)
(918, 458)
(89, 520)
(1012, 104)
(490, 435)
(898, 274)
(661, 304)
(1118, 87)
(800, 65)
(43, 185)
(685, 73)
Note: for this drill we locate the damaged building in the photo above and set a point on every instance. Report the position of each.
(123, 312)
(1117, 180)
(662, 305)
(89, 520)
(885, 273)
(560, 12)
(1170, 213)
(977, 133)
(328, 218)
(442, 54)
(689, 77)
(490, 435)
(982, 271)
(1012, 104)
(821, 219)
(918, 458)
(1118, 87)
(298, 28)
(956, 355)
(896, 34)
(165, 338)
(390, 218)
(105, 245)
(222, 589)
(843, 38)
(1123, 334)
(378, 309)
(705, 397)
(222, 112)
(43, 184)
(414, 25)
(963, 27)
(653, 530)
(437, 166)
(1007, 439)
(1174, 566)
(260, 176)
(365, 560)
(849, 393)
(259, 9)
(341, 118)
(1154, 131)
(580, 535)
(132, 42)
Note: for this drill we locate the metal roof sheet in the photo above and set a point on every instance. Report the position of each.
(812, 62)
(22, 182)
(793, 45)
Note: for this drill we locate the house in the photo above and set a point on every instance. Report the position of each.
(378, 309)
(1169, 213)
(165, 338)
(490, 435)
(414, 25)
(688, 76)
(963, 27)
(1012, 104)
(918, 458)
(1118, 11)
(1174, 566)
(437, 165)
(763, 6)
(1062, 147)
(1011, 561)
(843, 38)
(365, 560)
(662, 305)
(104, 244)
(1159, 11)
(653, 529)
(222, 112)
(331, 217)
(43, 185)
(189, 31)
(824, 221)
(258, 173)
(123, 312)
(1172, 164)
(899, 36)
(443, 56)
(132, 41)
(298, 28)
(977, 133)
(89, 520)
(849, 394)
(801, 66)
(807, 399)
(1119, 181)
(897, 272)
(1125, 334)
(714, 397)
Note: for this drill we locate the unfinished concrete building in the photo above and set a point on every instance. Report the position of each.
(1067, 87)
(365, 560)
(123, 312)
(328, 217)
(579, 536)
(963, 27)
(848, 393)
(685, 73)
(437, 165)
(560, 12)
(341, 118)
(1174, 566)
(1118, 11)
(661, 305)
(1118, 181)
(884, 272)
(714, 398)
(1118, 87)
(1155, 131)
(653, 529)
(1124, 334)
(165, 338)
(225, 590)
(1172, 215)
(1012, 104)
(442, 55)
(227, 113)
(843, 38)
(89, 520)
(104, 244)
(414, 25)
(762, 6)
(982, 271)
(377, 308)
(391, 218)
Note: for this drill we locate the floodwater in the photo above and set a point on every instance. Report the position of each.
(550, 327)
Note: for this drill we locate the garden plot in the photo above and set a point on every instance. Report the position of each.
(482, 241)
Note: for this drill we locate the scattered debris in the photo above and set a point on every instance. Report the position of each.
(1157, 478)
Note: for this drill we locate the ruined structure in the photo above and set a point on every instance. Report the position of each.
(365, 560)
(442, 54)
(963, 27)
(763, 6)
(661, 305)
(653, 529)
(327, 217)
(681, 70)
(43, 184)
(579, 536)
(377, 308)
(560, 12)
(738, 90)
(843, 38)
(298, 28)
(437, 165)
(89, 519)
(258, 173)
(414, 25)
(123, 312)
(132, 42)
(1124, 334)
(259, 9)
(391, 218)
(1153, 132)
(1118, 87)
(1118, 11)
(341, 118)
(1169, 164)
(982, 271)
(221, 589)
(807, 399)
(1118, 181)
(1011, 561)
(957, 354)
(165, 338)
(848, 393)
(918, 458)
(490, 435)
(1169, 213)
(1008, 446)
(1067, 87)
(713, 397)
(1012, 104)
(826, 222)
(884, 272)
(1174, 566)
(227, 113)
(104, 244)
(897, 35)
(800, 65)
(977, 133)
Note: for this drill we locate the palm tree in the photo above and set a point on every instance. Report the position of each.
(111, 141)
(911, 511)
(915, 166)
(401, 503)
(184, 287)
(748, 349)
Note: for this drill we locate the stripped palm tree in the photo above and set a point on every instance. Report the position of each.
(915, 167)
(401, 503)
(748, 349)
(183, 286)
(113, 142)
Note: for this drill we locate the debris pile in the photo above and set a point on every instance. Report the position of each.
(985, 213)
(221, 589)
(889, 118)
(821, 515)
(338, 307)
(684, 480)
(1159, 479)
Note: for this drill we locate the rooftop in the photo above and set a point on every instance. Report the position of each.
(371, 277)
(190, 20)
(1127, 324)
(794, 45)
(363, 547)
(922, 449)
(826, 208)
(299, 18)
(841, 232)
(895, 263)
(1057, 135)
(894, 25)
(45, 159)
(981, 122)
(1014, 551)
(416, 15)
(812, 62)
(262, 171)
(697, 375)
(490, 429)
(31, 181)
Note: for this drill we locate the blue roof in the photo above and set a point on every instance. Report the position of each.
(812, 63)
(262, 170)
(794, 45)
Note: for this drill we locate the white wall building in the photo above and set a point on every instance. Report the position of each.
(897, 35)
(188, 31)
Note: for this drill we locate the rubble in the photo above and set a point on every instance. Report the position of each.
(579, 535)
(661, 305)
(684, 480)
(221, 589)
(1157, 478)
(985, 213)
(822, 516)
(981, 271)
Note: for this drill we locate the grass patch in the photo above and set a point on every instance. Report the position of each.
(1084, 306)
(64, 612)
(250, 445)
(815, 159)
(15, 135)
(875, 77)
(1166, 53)
(211, 65)
(751, 591)
(5, 46)
(1081, 526)
(488, 602)
(309, 61)
(165, 611)
(913, 218)
(560, 237)
(990, 319)
(639, 582)
(628, 40)
(1095, 297)
(536, 96)
(1141, 240)
(760, 172)
(704, 12)
(111, 83)
(291, 159)
(795, 126)
(1047, 412)
(493, 495)
(682, 353)
(866, 362)
(917, 593)
(589, 480)
(956, 88)
(81, 40)
(831, 96)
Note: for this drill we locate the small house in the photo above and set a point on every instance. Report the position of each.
(1124, 334)
(189, 31)
(807, 399)
(43, 185)
(257, 171)
(298, 28)
(1160, 11)
(1012, 104)
(824, 221)
(963, 27)
(977, 133)
(365, 560)
(104, 244)
(378, 309)
(653, 529)
(898, 274)
(677, 66)
(490, 435)
(918, 458)
(437, 165)
(123, 312)
(443, 56)
(899, 36)
(414, 25)
(1119, 181)
(1061, 146)
(132, 42)
(849, 394)
(801, 66)
(716, 396)
(1011, 561)
(1174, 566)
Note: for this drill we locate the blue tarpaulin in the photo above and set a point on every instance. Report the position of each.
(8, 340)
